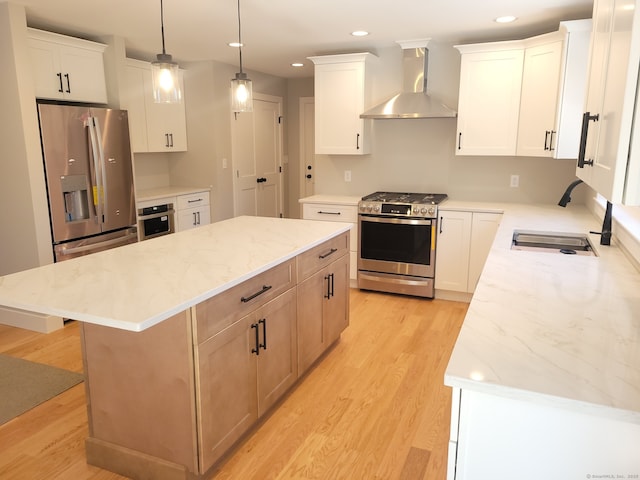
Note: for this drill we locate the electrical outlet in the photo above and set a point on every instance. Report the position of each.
(224, 163)
(515, 181)
(347, 175)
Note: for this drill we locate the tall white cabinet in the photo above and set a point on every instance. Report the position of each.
(342, 89)
(607, 165)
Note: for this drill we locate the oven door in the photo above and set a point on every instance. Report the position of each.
(403, 246)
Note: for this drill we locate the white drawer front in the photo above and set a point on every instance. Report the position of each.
(329, 212)
(193, 200)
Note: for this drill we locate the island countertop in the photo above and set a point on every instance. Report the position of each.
(551, 328)
(137, 286)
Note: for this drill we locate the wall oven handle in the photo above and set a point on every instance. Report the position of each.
(396, 220)
(331, 252)
(258, 293)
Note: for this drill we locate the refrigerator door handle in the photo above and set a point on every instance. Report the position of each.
(104, 197)
(98, 165)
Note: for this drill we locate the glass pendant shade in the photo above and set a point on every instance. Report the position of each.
(241, 93)
(165, 80)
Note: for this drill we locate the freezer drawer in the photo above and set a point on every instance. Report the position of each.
(86, 246)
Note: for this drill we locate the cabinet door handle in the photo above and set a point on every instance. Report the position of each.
(586, 118)
(66, 75)
(459, 140)
(171, 137)
(332, 285)
(546, 139)
(257, 338)
(258, 293)
(357, 141)
(441, 222)
(331, 252)
(59, 75)
(198, 217)
(328, 294)
(194, 219)
(551, 147)
(263, 321)
(166, 137)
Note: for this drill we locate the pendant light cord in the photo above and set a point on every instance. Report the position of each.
(239, 37)
(162, 26)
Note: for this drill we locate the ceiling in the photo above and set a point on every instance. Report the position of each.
(276, 33)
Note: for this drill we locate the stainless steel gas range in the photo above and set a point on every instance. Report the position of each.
(397, 249)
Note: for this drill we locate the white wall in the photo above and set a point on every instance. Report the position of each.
(25, 235)
(419, 154)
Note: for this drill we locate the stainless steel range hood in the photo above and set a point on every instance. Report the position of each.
(413, 101)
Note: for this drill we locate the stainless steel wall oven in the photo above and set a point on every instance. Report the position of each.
(397, 233)
(156, 221)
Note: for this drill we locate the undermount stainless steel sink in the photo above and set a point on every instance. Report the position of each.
(552, 242)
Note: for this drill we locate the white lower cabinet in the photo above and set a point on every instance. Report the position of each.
(503, 438)
(338, 212)
(193, 211)
(464, 241)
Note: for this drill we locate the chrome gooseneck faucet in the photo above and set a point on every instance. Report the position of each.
(605, 234)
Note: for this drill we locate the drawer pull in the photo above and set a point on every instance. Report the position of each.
(331, 252)
(251, 297)
(320, 212)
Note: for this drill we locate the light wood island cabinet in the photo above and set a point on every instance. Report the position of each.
(169, 401)
(323, 298)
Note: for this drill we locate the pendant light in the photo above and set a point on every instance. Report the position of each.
(164, 74)
(241, 88)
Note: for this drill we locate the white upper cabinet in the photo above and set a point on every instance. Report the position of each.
(553, 89)
(154, 127)
(524, 97)
(342, 93)
(538, 102)
(489, 101)
(67, 68)
(609, 165)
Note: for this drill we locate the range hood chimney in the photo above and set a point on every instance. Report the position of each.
(413, 101)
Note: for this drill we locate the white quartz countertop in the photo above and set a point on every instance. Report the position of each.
(561, 329)
(137, 286)
(331, 199)
(162, 192)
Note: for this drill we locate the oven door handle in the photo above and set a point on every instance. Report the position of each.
(155, 215)
(395, 220)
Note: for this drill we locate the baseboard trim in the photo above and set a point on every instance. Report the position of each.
(132, 464)
(36, 322)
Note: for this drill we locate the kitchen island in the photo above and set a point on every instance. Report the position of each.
(189, 339)
(546, 369)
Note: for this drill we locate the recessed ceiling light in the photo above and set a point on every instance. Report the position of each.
(359, 33)
(506, 19)
(235, 44)
(297, 64)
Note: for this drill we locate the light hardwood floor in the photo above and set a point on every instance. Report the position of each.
(374, 407)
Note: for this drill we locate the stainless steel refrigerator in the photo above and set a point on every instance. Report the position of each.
(87, 160)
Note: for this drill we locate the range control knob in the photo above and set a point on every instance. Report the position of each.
(423, 210)
(376, 208)
(415, 210)
(368, 208)
(432, 211)
(362, 208)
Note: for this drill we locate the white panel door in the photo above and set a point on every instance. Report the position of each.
(257, 158)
